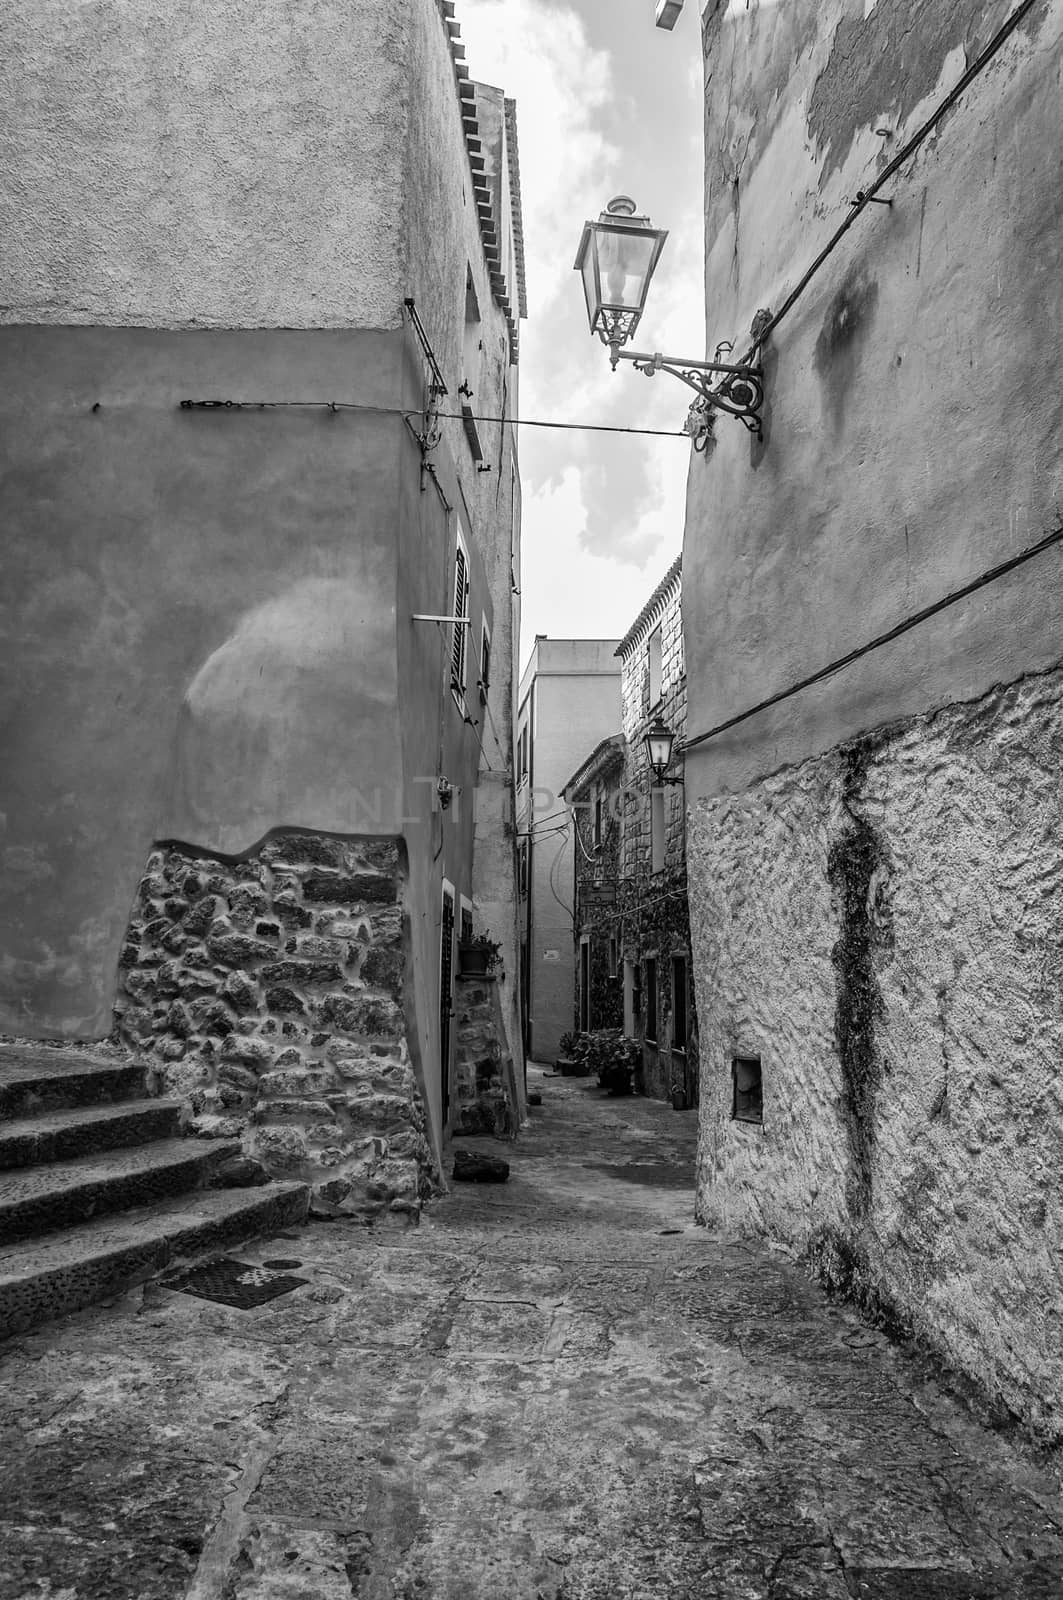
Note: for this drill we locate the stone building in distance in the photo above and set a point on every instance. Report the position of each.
(874, 851)
(633, 966)
(262, 288)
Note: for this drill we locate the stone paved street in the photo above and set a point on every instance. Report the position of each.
(556, 1389)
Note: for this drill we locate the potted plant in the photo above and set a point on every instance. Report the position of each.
(479, 956)
(616, 1057)
(583, 1055)
(566, 1059)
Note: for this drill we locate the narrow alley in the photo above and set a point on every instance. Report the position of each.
(559, 1388)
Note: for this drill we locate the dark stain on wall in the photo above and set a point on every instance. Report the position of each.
(881, 67)
(856, 867)
(842, 337)
(845, 1271)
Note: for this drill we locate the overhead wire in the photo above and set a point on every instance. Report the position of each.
(407, 412)
(567, 909)
(865, 197)
(900, 628)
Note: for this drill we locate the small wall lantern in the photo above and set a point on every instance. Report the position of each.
(660, 742)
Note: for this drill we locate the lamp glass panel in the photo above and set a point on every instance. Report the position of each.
(624, 261)
(660, 748)
(590, 283)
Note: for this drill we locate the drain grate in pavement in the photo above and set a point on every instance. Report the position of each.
(232, 1283)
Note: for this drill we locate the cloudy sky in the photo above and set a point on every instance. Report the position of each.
(606, 104)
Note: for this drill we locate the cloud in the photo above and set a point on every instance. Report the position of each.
(600, 596)
(595, 120)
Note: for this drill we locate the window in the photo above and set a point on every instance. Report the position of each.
(612, 958)
(485, 662)
(630, 997)
(597, 822)
(471, 349)
(747, 1104)
(657, 830)
(654, 656)
(522, 866)
(471, 346)
(679, 1002)
(651, 998)
(459, 644)
(585, 986)
(522, 754)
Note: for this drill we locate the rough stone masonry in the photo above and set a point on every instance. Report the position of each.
(268, 994)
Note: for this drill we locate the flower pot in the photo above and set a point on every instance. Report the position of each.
(565, 1065)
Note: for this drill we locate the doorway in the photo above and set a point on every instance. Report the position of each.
(446, 997)
(585, 986)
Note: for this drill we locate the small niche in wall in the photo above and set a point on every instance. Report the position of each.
(747, 1104)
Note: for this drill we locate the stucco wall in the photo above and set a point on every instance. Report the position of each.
(881, 925)
(573, 690)
(873, 912)
(913, 418)
(198, 615)
(225, 166)
(443, 247)
(210, 611)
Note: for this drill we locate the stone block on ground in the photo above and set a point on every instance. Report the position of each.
(474, 1168)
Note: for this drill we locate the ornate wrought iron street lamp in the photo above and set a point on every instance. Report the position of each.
(617, 257)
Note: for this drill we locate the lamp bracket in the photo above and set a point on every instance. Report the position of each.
(738, 390)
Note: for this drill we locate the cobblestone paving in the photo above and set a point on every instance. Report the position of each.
(556, 1389)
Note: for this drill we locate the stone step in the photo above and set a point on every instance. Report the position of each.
(64, 1193)
(33, 1080)
(43, 1278)
(84, 1130)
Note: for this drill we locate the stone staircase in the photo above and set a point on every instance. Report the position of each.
(98, 1191)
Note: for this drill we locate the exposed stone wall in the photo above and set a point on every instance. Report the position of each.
(651, 910)
(485, 1082)
(638, 712)
(597, 877)
(883, 926)
(268, 994)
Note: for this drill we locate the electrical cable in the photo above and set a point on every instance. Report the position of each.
(588, 855)
(550, 815)
(546, 834)
(1053, 538)
(406, 413)
(866, 196)
(570, 911)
